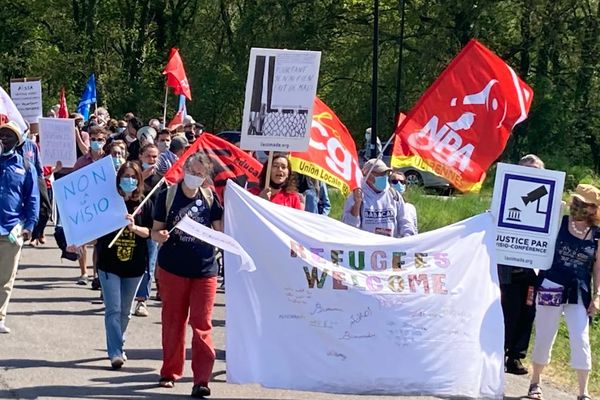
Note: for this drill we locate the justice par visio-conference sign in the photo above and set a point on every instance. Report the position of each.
(527, 207)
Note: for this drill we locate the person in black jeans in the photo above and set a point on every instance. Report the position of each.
(517, 289)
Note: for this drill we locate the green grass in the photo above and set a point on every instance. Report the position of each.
(438, 211)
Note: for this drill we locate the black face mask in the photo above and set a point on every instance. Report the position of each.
(189, 136)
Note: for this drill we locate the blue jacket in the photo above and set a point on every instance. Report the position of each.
(19, 194)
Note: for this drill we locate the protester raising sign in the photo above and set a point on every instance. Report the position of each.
(89, 203)
(336, 309)
(229, 162)
(331, 156)
(463, 121)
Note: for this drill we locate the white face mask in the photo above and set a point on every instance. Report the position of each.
(193, 181)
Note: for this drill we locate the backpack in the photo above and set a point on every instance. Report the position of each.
(207, 195)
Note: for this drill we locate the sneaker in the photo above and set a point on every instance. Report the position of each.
(96, 283)
(140, 309)
(117, 362)
(515, 366)
(4, 328)
(124, 356)
(200, 391)
(83, 280)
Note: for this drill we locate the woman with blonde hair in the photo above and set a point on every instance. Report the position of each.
(566, 288)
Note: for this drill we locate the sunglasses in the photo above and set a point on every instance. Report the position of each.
(395, 181)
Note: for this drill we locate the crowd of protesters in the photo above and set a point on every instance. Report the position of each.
(185, 269)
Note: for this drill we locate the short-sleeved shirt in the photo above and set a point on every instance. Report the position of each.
(128, 257)
(283, 198)
(184, 255)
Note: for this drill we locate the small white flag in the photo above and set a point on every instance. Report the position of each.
(217, 239)
(8, 109)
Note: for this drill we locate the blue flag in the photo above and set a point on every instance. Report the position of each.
(87, 98)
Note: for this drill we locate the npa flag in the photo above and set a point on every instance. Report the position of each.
(176, 77)
(228, 161)
(9, 111)
(331, 156)
(462, 123)
(63, 112)
(181, 114)
(87, 98)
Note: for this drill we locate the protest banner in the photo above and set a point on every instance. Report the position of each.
(331, 156)
(57, 141)
(27, 96)
(527, 206)
(280, 89)
(88, 202)
(331, 308)
(462, 123)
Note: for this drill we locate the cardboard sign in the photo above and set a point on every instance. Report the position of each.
(280, 90)
(27, 96)
(57, 141)
(88, 202)
(527, 207)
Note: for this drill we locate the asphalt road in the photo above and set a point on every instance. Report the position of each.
(56, 349)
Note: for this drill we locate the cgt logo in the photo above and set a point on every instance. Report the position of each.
(337, 156)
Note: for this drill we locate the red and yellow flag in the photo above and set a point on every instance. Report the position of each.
(462, 123)
(331, 156)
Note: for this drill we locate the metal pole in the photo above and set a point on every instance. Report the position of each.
(400, 53)
(374, 79)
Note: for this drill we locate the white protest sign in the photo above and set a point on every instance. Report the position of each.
(527, 207)
(280, 91)
(27, 96)
(88, 202)
(217, 239)
(57, 141)
(390, 316)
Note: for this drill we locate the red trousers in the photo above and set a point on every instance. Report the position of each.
(183, 298)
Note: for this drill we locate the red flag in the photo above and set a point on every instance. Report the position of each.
(176, 77)
(177, 120)
(331, 156)
(62, 111)
(229, 162)
(462, 123)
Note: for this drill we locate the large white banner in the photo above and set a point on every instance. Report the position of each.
(57, 141)
(27, 96)
(88, 202)
(527, 205)
(331, 308)
(280, 91)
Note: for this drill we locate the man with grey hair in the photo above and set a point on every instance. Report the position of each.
(518, 306)
(187, 272)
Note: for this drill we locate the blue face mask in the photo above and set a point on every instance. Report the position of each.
(117, 162)
(381, 183)
(145, 165)
(400, 187)
(128, 185)
(96, 146)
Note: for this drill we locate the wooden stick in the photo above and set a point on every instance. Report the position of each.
(268, 175)
(138, 208)
(165, 106)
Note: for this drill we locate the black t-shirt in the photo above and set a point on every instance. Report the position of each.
(128, 257)
(182, 254)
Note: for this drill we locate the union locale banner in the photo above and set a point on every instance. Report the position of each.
(331, 156)
(462, 123)
(331, 308)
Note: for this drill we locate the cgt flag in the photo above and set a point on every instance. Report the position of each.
(228, 161)
(176, 77)
(331, 156)
(462, 123)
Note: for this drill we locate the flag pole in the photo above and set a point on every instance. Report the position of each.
(380, 156)
(165, 105)
(268, 174)
(138, 208)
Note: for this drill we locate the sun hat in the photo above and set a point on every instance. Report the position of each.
(587, 193)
